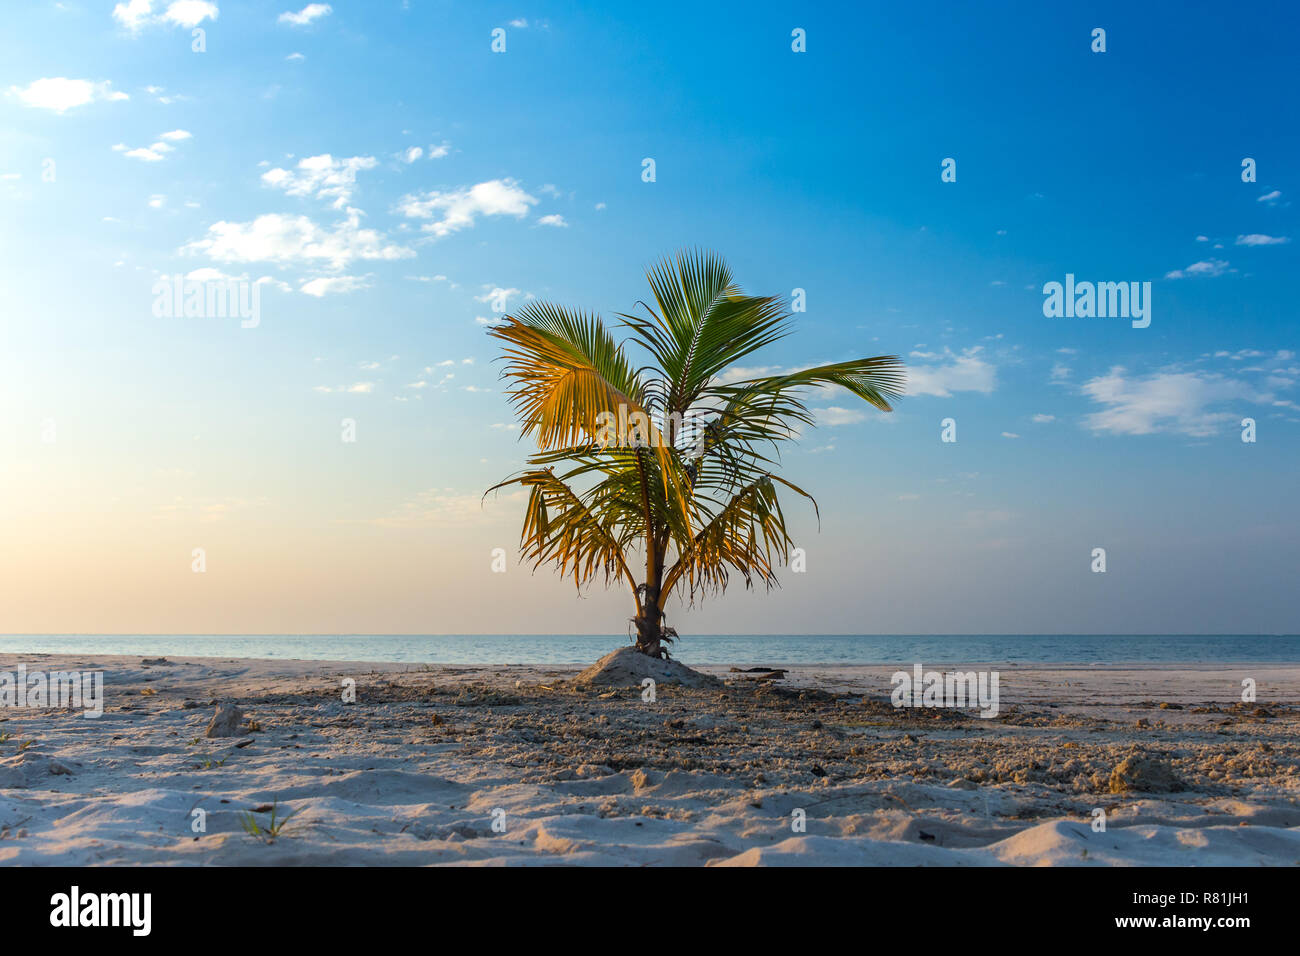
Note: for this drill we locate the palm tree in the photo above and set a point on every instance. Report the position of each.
(673, 463)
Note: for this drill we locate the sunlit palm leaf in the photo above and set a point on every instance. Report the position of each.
(699, 501)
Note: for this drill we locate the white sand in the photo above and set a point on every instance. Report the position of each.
(412, 773)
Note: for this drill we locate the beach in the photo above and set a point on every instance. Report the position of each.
(440, 764)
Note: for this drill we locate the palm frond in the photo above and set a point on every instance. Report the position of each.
(697, 495)
(560, 528)
(745, 536)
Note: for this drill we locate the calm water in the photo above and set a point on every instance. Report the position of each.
(740, 650)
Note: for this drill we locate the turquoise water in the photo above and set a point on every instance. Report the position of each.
(739, 650)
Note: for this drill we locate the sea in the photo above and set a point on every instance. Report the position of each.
(740, 650)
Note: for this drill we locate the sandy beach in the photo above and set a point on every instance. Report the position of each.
(517, 765)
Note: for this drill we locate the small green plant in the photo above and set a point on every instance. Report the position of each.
(4, 737)
(210, 763)
(25, 744)
(273, 827)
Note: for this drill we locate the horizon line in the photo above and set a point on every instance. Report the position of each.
(607, 634)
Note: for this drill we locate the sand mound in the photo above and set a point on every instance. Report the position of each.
(625, 667)
(1143, 773)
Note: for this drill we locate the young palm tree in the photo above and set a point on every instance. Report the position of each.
(671, 464)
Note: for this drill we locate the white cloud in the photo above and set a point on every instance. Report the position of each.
(1258, 239)
(136, 14)
(295, 240)
(333, 285)
(157, 92)
(321, 176)
(555, 219)
(1010, 435)
(133, 14)
(966, 372)
(144, 153)
(439, 152)
(459, 208)
(60, 94)
(1208, 268)
(313, 11)
(498, 294)
(357, 388)
(190, 13)
(834, 415)
(295, 57)
(411, 155)
(1270, 198)
(1179, 402)
(156, 152)
(209, 274)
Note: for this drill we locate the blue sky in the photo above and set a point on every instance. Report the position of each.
(284, 152)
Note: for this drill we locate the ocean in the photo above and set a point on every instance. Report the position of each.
(725, 649)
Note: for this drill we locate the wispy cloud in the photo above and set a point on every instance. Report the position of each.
(1207, 269)
(1181, 402)
(156, 152)
(323, 177)
(835, 415)
(458, 209)
(357, 388)
(333, 285)
(443, 507)
(957, 372)
(307, 15)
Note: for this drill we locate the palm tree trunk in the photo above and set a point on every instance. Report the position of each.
(650, 624)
